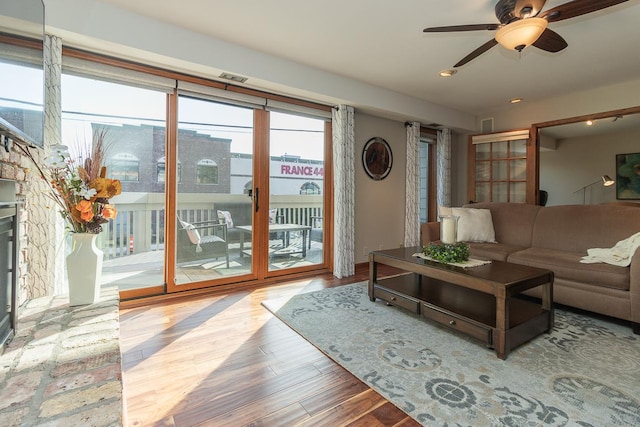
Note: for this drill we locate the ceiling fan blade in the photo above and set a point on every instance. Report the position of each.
(528, 8)
(576, 8)
(550, 41)
(479, 51)
(471, 27)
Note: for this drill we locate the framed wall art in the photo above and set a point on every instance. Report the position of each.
(628, 176)
(377, 158)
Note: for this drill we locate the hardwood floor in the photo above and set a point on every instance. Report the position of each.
(223, 360)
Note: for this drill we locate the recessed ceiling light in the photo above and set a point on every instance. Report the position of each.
(515, 100)
(447, 73)
(589, 122)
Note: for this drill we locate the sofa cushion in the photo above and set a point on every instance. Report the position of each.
(492, 251)
(474, 225)
(512, 222)
(576, 228)
(567, 265)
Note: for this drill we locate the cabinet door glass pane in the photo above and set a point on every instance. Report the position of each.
(500, 150)
(483, 151)
(519, 148)
(518, 193)
(483, 171)
(518, 169)
(500, 170)
(500, 192)
(483, 192)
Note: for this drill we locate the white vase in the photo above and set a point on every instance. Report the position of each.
(84, 269)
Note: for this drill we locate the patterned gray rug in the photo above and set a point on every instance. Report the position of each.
(585, 373)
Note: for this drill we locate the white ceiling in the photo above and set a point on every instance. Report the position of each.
(382, 43)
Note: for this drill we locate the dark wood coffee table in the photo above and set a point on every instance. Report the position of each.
(483, 302)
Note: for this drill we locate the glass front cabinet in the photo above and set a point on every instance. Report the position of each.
(502, 167)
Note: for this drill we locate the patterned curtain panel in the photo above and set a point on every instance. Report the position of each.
(46, 256)
(412, 186)
(344, 191)
(443, 167)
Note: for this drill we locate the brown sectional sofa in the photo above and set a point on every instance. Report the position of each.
(556, 238)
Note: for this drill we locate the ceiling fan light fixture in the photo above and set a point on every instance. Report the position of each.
(522, 33)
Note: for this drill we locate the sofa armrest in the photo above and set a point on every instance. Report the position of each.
(429, 232)
(634, 291)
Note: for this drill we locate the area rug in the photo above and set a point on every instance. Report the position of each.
(586, 372)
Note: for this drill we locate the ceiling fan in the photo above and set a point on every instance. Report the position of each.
(521, 23)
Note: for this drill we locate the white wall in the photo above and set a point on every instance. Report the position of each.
(523, 115)
(459, 155)
(103, 28)
(580, 161)
(380, 205)
(601, 99)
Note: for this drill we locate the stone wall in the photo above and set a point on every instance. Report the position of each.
(36, 271)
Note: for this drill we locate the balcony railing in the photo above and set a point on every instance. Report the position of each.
(140, 224)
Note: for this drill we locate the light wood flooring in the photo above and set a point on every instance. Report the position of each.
(222, 359)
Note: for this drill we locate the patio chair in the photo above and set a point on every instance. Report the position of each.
(317, 231)
(201, 240)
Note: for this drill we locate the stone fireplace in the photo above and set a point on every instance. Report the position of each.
(39, 272)
(63, 365)
(8, 261)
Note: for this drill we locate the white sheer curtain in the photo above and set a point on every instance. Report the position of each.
(443, 167)
(344, 191)
(46, 228)
(412, 187)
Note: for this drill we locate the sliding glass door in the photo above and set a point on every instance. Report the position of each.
(296, 191)
(250, 193)
(214, 210)
(132, 120)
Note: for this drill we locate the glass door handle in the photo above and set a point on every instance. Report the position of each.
(255, 197)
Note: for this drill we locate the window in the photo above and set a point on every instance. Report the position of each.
(161, 170)
(214, 129)
(21, 94)
(427, 174)
(423, 153)
(125, 167)
(207, 172)
(310, 188)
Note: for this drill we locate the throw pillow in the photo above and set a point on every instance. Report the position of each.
(225, 216)
(194, 235)
(444, 210)
(474, 225)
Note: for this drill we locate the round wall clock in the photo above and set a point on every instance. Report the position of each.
(377, 158)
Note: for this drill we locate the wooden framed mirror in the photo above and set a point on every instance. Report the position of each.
(573, 156)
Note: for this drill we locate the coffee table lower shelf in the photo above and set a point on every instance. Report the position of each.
(466, 310)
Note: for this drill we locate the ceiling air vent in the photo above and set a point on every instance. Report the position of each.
(233, 77)
(486, 125)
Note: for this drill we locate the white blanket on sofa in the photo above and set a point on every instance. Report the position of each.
(619, 255)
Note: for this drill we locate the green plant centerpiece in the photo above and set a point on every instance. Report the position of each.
(447, 253)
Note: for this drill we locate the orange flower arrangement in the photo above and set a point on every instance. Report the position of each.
(81, 191)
